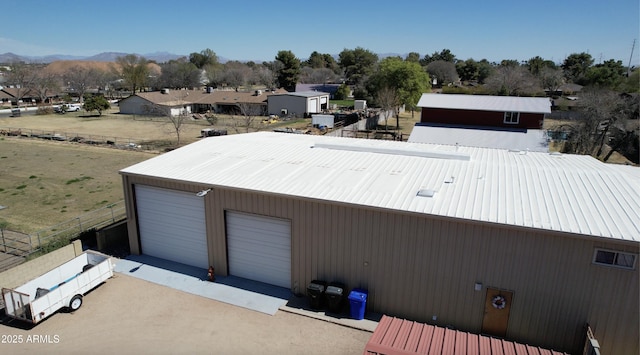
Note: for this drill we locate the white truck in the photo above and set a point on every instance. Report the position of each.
(61, 287)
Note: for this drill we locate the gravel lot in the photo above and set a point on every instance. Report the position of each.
(131, 316)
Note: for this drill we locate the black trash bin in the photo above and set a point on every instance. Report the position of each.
(335, 296)
(315, 291)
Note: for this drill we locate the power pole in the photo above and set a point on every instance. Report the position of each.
(630, 57)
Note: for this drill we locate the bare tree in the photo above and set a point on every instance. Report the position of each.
(237, 75)
(45, 84)
(443, 71)
(79, 79)
(21, 76)
(512, 80)
(387, 99)
(310, 75)
(551, 78)
(264, 76)
(601, 112)
(177, 111)
(249, 114)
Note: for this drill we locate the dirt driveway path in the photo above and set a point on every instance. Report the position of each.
(131, 316)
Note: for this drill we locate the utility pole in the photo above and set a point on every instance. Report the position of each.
(630, 57)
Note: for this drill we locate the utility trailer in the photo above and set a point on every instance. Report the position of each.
(61, 287)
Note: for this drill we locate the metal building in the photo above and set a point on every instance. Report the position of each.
(527, 246)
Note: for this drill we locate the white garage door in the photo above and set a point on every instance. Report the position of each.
(172, 225)
(312, 106)
(259, 248)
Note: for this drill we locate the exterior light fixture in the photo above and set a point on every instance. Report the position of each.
(203, 192)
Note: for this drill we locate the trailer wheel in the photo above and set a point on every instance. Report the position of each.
(75, 303)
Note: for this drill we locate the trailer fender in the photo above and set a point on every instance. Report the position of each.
(75, 303)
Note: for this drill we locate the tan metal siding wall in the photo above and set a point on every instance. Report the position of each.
(417, 266)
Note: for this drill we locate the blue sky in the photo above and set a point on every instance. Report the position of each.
(257, 30)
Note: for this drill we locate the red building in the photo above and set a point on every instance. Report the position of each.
(503, 122)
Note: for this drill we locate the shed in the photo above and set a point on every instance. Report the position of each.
(298, 104)
(322, 120)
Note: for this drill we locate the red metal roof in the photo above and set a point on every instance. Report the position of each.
(395, 336)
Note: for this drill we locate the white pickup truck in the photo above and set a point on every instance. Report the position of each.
(67, 108)
(61, 287)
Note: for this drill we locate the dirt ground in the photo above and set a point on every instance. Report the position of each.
(127, 315)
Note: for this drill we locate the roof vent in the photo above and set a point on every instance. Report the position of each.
(426, 193)
(165, 91)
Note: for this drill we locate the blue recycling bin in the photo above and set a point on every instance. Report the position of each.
(358, 303)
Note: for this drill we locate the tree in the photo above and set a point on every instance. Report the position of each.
(413, 57)
(249, 112)
(105, 82)
(444, 55)
(343, 92)
(485, 69)
(316, 61)
(263, 76)
(632, 83)
(537, 64)
(311, 76)
(467, 70)
(177, 121)
(290, 72)
(22, 76)
(45, 84)
(357, 64)
(445, 72)
(600, 110)
(407, 79)
(178, 74)
(96, 103)
(205, 58)
(387, 99)
(551, 78)
(134, 71)
(79, 79)
(575, 66)
(508, 79)
(609, 74)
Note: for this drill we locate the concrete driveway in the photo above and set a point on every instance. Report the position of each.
(129, 315)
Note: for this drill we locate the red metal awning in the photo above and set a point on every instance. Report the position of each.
(395, 336)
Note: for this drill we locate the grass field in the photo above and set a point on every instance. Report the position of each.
(43, 183)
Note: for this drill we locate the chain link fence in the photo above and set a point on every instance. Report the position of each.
(23, 245)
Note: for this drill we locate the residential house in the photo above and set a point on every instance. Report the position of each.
(174, 102)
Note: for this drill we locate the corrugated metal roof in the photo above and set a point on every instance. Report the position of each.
(534, 140)
(565, 193)
(486, 103)
(395, 336)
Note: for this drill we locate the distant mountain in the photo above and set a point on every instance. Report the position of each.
(158, 57)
